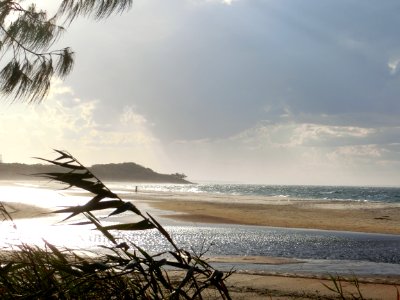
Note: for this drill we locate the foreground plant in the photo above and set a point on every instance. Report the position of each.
(123, 271)
(344, 294)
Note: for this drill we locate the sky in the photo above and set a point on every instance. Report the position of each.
(244, 91)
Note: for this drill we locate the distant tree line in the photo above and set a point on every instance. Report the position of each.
(179, 175)
(110, 172)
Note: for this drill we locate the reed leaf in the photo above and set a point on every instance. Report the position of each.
(8, 267)
(90, 206)
(64, 165)
(101, 228)
(125, 206)
(142, 225)
(92, 267)
(163, 232)
(65, 177)
(63, 154)
(56, 252)
(81, 223)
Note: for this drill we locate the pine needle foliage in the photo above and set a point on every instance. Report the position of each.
(27, 34)
(122, 271)
(98, 9)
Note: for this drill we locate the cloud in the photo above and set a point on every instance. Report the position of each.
(393, 66)
(67, 122)
(292, 134)
(228, 2)
(295, 153)
(323, 135)
(349, 153)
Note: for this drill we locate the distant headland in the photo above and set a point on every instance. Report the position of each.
(108, 172)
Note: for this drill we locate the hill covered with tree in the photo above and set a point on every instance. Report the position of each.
(107, 172)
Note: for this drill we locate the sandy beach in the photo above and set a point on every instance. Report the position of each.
(205, 208)
(329, 215)
(258, 287)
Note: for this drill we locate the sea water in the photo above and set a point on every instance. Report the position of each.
(344, 193)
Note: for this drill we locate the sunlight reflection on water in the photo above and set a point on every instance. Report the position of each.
(33, 231)
(36, 195)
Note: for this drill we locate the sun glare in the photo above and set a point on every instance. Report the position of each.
(30, 206)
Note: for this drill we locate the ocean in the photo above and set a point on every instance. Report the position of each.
(303, 192)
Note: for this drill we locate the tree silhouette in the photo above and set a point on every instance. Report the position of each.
(27, 34)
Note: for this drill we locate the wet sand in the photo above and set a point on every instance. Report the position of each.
(327, 215)
(24, 211)
(268, 285)
(257, 287)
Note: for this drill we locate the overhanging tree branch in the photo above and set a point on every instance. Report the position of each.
(27, 63)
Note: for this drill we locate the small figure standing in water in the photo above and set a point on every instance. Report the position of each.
(135, 189)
